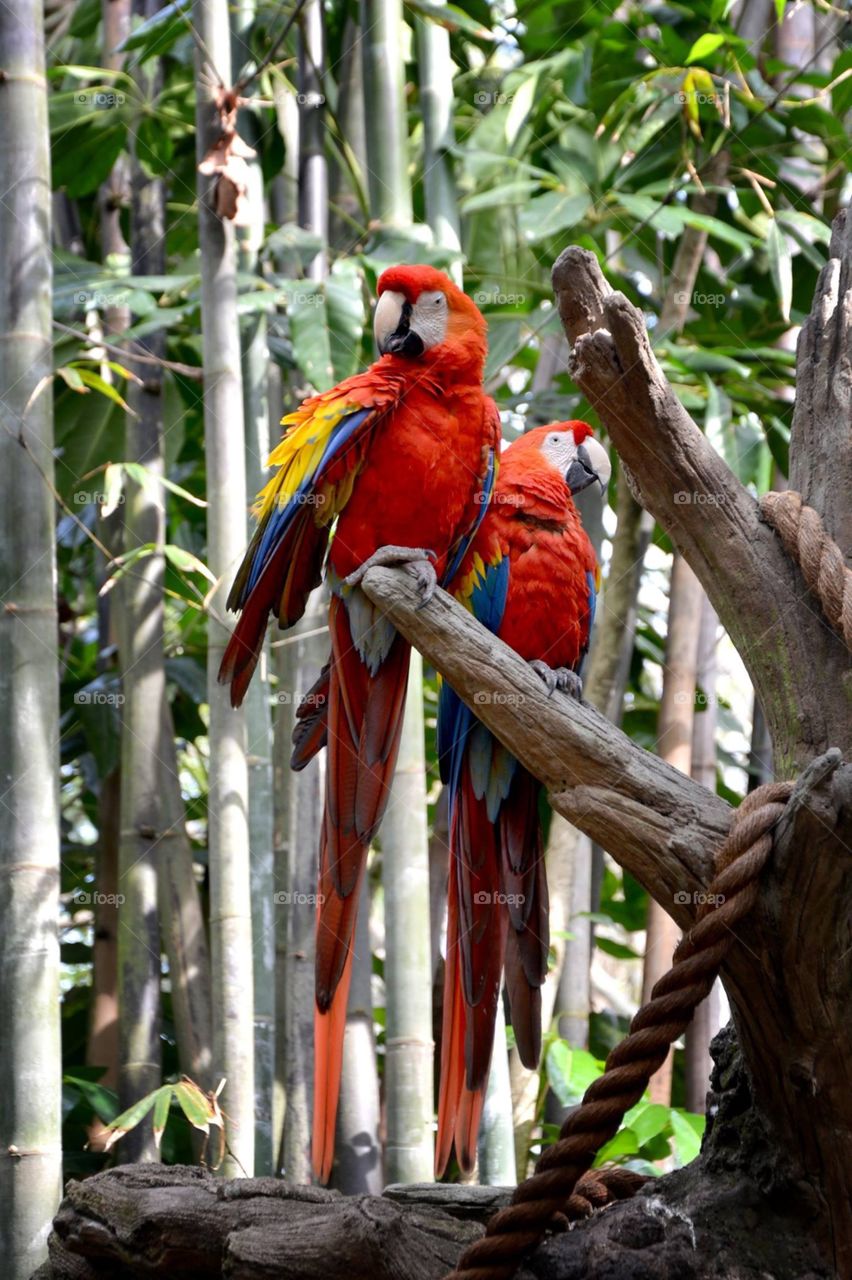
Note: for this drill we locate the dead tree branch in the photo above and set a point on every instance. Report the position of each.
(785, 642)
(660, 824)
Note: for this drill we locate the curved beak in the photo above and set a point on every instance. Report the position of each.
(392, 326)
(591, 465)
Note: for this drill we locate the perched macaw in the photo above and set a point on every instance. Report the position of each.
(403, 457)
(530, 576)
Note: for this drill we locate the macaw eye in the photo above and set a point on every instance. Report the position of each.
(554, 439)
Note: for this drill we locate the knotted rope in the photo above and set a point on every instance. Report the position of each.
(558, 1188)
(820, 559)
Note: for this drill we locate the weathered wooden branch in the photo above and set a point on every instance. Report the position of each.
(657, 822)
(786, 644)
(821, 438)
(182, 1223)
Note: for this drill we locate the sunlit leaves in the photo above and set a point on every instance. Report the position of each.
(649, 1130)
(201, 1109)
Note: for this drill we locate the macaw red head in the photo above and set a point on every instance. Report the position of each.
(422, 316)
(566, 447)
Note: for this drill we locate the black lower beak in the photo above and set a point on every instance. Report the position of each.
(403, 341)
(581, 473)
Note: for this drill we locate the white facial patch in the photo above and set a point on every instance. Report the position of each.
(560, 448)
(429, 317)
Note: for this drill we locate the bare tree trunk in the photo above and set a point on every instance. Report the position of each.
(348, 197)
(674, 730)
(30, 1050)
(102, 1039)
(228, 841)
(102, 1045)
(705, 1022)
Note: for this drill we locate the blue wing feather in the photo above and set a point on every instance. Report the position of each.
(280, 520)
(484, 499)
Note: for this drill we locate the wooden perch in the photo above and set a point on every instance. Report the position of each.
(659, 824)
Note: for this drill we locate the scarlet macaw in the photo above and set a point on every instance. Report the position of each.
(403, 456)
(530, 576)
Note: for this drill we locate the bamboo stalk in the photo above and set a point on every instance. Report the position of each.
(30, 1051)
(435, 67)
(298, 913)
(228, 837)
(386, 112)
(705, 1021)
(358, 1163)
(255, 360)
(674, 728)
(496, 1145)
(408, 965)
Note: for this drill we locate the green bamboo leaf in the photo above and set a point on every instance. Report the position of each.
(161, 1112)
(516, 192)
(181, 492)
(521, 106)
(780, 266)
(122, 563)
(159, 33)
(130, 1118)
(71, 377)
(100, 1099)
(451, 17)
(704, 46)
(96, 383)
(195, 1105)
(617, 949)
(186, 562)
(113, 483)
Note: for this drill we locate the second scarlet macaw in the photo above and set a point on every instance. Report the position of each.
(530, 576)
(402, 457)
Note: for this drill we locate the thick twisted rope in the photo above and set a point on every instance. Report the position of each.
(540, 1202)
(820, 559)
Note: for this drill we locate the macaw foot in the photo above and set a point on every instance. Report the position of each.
(562, 678)
(417, 560)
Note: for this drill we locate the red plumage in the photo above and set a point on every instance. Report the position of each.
(530, 575)
(400, 455)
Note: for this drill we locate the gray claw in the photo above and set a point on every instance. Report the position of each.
(562, 678)
(418, 560)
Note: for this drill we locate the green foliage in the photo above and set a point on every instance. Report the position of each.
(649, 1132)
